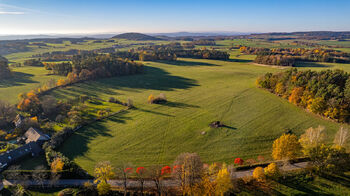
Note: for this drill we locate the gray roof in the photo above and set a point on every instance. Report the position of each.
(12, 156)
(34, 135)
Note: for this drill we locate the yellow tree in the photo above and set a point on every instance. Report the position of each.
(57, 165)
(223, 181)
(286, 147)
(150, 98)
(272, 170)
(259, 175)
(103, 173)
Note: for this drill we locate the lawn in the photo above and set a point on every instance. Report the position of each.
(199, 92)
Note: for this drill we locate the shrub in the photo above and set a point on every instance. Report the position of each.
(272, 170)
(239, 161)
(259, 175)
(111, 100)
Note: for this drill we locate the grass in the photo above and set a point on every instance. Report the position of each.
(199, 92)
(325, 185)
(24, 79)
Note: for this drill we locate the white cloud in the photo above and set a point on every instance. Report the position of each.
(11, 13)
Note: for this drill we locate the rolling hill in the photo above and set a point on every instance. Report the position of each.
(135, 36)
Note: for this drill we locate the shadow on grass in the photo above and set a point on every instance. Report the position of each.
(77, 144)
(240, 60)
(187, 63)
(18, 79)
(344, 180)
(153, 78)
(178, 105)
(310, 64)
(153, 112)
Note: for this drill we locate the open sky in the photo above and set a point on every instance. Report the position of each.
(108, 16)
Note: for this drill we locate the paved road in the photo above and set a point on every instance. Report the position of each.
(134, 183)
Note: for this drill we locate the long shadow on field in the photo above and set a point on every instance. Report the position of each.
(153, 78)
(153, 112)
(18, 79)
(310, 64)
(187, 63)
(239, 60)
(179, 105)
(77, 144)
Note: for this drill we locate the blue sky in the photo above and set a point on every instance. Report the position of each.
(107, 16)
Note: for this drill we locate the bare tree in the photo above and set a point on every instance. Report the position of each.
(7, 113)
(123, 171)
(155, 174)
(39, 175)
(341, 136)
(49, 105)
(189, 169)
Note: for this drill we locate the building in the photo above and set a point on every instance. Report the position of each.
(34, 140)
(34, 135)
(10, 157)
(19, 120)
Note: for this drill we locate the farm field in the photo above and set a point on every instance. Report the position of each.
(199, 92)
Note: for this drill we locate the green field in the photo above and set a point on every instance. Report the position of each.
(25, 79)
(199, 92)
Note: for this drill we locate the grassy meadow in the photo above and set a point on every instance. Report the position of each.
(199, 92)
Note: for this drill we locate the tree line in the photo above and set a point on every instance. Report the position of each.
(326, 93)
(5, 72)
(289, 56)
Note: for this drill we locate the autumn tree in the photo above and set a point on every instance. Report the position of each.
(57, 165)
(272, 170)
(286, 147)
(312, 138)
(259, 175)
(189, 171)
(150, 98)
(30, 103)
(296, 95)
(223, 181)
(103, 173)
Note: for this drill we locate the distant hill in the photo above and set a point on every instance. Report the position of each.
(135, 36)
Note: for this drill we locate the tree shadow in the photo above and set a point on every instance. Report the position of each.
(18, 79)
(344, 180)
(310, 64)
(77, 144)
(187, 63)
(240, 60)
(153, 78)
(178, 105)
(153, 112)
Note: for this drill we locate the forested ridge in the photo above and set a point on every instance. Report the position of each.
(326, 93)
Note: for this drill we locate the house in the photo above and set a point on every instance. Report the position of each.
(19, 120)
(10, 157)
(34, 135)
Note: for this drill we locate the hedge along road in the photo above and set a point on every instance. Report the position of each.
(134, 183)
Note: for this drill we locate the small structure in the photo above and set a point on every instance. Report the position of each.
(216, 124)
(19, 120)
(34, 135)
